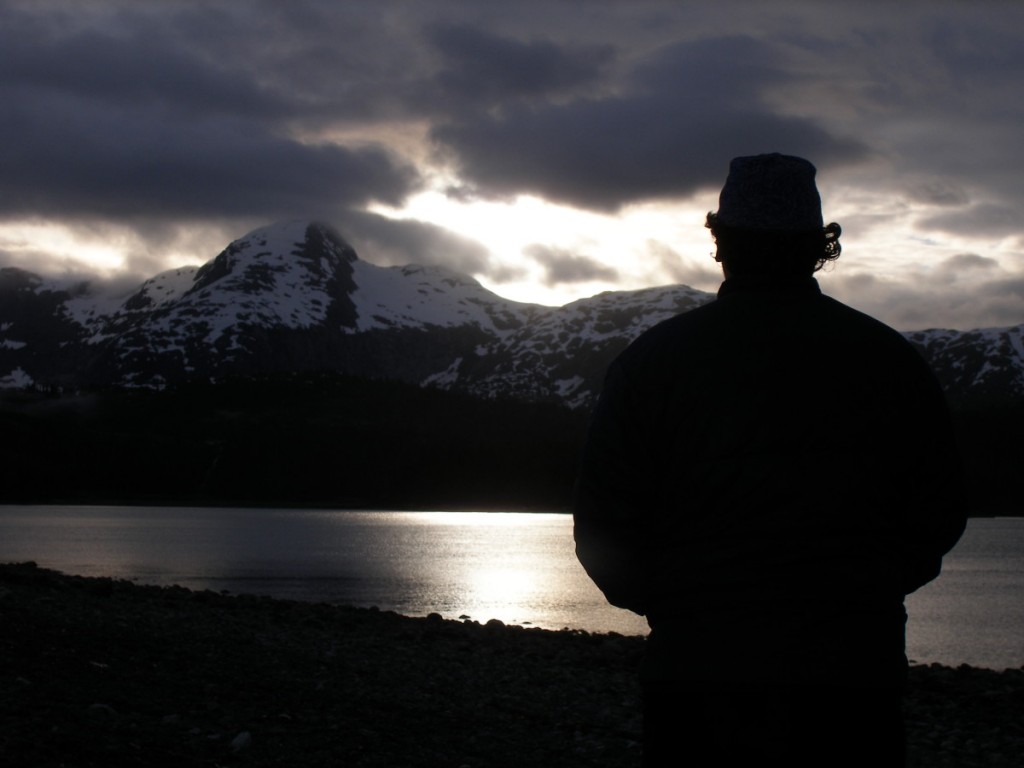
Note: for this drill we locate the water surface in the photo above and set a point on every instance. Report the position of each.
(516, 567)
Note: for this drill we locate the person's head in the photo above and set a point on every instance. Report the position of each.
(769, 219)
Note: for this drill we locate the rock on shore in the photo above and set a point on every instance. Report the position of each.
(105, 672)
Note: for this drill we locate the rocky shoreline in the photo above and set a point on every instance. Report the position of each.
(99, 672)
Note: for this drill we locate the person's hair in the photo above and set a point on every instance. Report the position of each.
(783, 254)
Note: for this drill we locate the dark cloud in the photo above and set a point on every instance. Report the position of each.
(303, 61)
(969, 261)
(953, 270)
(503, 273)
(136, 69)
(120, 117)
(562, 266)
(929, 303)
(483, 68)
(77, 158)
(397, 242)
(953, 72)
(892, 302)
(938, 192)
(976, 54)
(1000, 301)
(983, 219)
(691, 107)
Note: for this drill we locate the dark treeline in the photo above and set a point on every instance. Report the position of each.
(325, 440)
(992, 445)
(320, 440)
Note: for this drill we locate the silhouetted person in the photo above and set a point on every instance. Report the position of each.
(765, 479)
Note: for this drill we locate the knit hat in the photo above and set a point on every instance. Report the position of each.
(770, 193)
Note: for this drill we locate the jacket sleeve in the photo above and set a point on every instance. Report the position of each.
(613, 497)
(936, 514)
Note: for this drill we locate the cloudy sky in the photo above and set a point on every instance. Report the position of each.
(551, 149)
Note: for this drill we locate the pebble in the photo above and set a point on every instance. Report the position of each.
(242, 741)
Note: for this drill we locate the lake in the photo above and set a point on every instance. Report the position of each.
(516, 567)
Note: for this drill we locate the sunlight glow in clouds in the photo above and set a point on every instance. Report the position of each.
(546, 250)
(24, 241)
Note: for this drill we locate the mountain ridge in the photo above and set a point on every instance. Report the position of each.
(294, 296)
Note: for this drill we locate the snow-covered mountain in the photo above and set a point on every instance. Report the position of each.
(295, 297)
(978, 367)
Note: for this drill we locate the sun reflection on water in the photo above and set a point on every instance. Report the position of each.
(503, 586)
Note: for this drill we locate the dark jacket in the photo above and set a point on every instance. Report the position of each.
(765, 478)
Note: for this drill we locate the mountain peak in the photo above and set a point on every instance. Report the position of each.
(252, 262)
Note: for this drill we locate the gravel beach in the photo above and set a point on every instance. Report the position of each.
(102, 672)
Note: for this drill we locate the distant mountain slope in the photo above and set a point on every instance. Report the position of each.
(561, 354)
(295, 297)
(979, 367)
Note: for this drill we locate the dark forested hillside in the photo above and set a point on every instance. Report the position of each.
(992, 444)
(310, 440)
(332, 441)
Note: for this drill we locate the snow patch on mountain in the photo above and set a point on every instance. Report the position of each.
(16, 379)
(446, 378)
(167, 286)
(422, 297)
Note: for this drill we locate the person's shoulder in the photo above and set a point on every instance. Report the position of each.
(863, 323)
(881, 342)
(666, 336)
